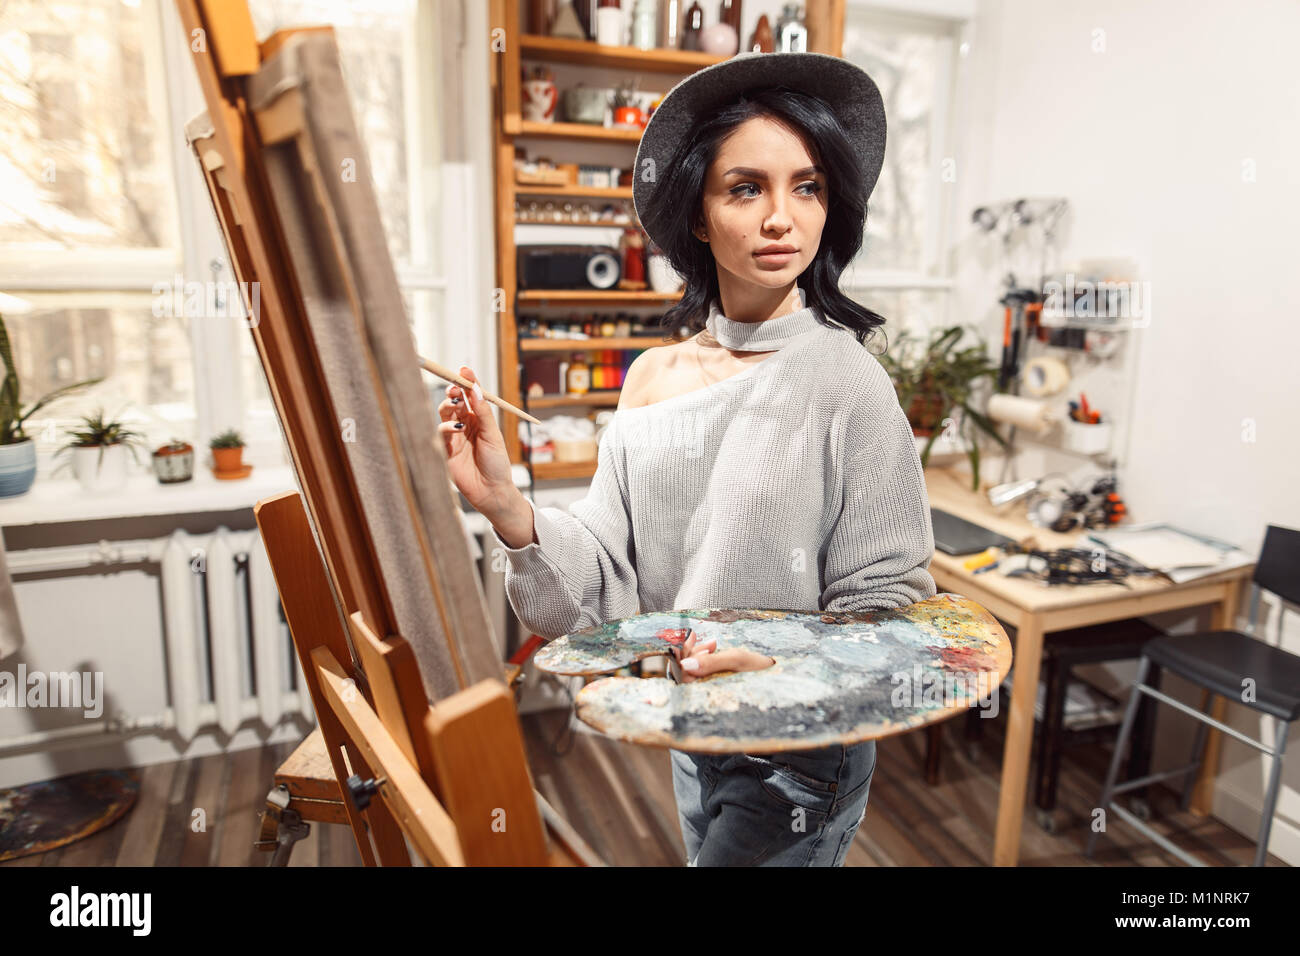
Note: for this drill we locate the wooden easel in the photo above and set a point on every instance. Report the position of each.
(370, 560)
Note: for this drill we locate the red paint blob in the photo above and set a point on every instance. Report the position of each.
(676, 636)
(965, 658)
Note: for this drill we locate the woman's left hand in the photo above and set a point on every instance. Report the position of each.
(702, 658)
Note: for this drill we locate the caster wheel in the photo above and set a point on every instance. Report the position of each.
(1046, 820)
(1139, 807)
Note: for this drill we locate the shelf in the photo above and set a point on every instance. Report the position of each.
(588, 131)
(589, 225)
(589, 53)
(596, 192)
(601, 398)
(593, 297)
(589, 345)
(549, 470)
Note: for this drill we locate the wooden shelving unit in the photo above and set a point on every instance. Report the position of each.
(593, 297)
(589, 345)
(509, 125)
(825, 20)
(586, 53)
(577, 192)
(579, 131)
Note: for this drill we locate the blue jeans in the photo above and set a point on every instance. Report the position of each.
(800, 808)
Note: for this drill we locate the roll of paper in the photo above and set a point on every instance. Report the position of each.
(1031, 413)
(1044, 375)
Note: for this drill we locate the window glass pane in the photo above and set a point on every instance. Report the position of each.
(373, 36)
(83, 159)
(261, 425)
(145, 361)
(917, 310)
(905, 63)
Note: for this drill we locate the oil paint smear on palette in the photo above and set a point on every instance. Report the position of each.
(840, 677)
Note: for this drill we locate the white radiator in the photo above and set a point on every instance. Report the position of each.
(229, 654)
(230, 658)
(244, 682)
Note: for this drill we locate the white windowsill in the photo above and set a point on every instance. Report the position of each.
(52, 500)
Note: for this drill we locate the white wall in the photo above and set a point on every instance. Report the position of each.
(1148, 140)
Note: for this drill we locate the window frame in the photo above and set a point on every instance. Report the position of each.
(951, 20)
(104, 275)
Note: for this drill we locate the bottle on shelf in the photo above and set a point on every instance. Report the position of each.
(792, 35)
(644, 28)
(670, 24)
(578, 376)
(694, 25)
(609, 23)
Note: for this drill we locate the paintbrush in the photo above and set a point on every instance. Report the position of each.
(429, 365)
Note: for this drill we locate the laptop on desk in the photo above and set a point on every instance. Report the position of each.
(954, 535)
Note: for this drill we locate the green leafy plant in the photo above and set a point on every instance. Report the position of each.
(95, 432)
(227, 439)
(934, 378)
(12, 414)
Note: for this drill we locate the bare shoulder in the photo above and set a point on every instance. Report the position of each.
(645, 371)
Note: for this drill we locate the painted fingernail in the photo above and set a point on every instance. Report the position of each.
(455, 401)
(690, 664)
(459, 426)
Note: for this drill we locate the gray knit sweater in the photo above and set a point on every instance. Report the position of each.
(794, 484)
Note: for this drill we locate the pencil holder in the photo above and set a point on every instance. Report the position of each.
(1086, 439)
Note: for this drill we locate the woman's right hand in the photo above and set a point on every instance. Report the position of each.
(476, 451)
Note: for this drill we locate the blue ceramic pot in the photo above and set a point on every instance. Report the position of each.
(17, 468)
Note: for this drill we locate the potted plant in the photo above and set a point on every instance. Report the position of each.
(99, 450)
(174, 462)
(933, 379)
(17, 450)
(228, 454)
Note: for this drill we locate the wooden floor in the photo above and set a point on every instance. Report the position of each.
(619, 797)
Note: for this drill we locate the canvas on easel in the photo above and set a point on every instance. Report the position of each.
(371, 559)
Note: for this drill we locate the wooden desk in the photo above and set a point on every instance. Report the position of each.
(1035, 609)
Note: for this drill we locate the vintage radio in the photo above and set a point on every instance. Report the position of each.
(568, 267)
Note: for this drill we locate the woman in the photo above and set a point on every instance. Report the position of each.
(765, 461)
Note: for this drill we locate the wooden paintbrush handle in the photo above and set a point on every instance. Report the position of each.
(429, 365)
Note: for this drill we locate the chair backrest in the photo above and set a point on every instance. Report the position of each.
(1277, 570)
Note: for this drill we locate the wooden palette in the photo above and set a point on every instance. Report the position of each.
(841, 677)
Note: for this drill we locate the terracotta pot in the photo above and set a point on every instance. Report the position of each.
(925, 414)
(228, 459)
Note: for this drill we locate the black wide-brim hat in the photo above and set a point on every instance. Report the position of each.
(847, 89)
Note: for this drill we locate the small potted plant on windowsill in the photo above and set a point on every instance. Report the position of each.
(228, 456)
(99, 450)
(17, 450)
(933, 381)
(174, 462)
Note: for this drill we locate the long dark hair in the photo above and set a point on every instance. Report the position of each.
(674, 206)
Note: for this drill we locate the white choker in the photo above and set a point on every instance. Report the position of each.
(767, 335)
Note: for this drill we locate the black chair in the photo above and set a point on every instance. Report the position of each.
(1223, 662)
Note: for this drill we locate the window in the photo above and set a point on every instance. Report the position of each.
(394, 104)
(913, 60)
(87, 202)
(101, 204)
